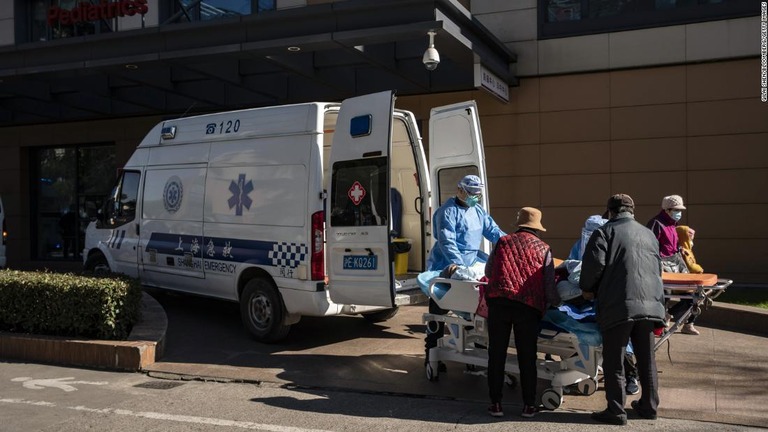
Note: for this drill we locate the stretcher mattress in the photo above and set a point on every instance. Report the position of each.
(703, 279)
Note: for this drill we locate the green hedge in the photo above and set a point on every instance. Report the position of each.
(59, 304)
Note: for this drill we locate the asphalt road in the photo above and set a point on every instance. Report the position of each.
(49, 398)
(331, 374)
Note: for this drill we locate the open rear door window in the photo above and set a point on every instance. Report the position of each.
(455, 150)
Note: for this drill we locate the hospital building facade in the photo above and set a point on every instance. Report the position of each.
(578, 99)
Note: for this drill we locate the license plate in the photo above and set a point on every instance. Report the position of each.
(359, 262)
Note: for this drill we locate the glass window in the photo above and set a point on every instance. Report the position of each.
(69, 184)
(194, 10)
(448, 180)
(560, 18)
(563, 10)
(359, 192)
(56, 19)
(121, 204)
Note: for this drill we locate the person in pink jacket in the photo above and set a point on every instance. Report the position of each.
(664, 227)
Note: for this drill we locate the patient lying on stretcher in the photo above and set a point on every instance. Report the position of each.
(575, 315)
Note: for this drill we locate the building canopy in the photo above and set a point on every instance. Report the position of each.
(323, 52)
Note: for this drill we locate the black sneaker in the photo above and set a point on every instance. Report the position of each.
(528, 411)
(641, 412)
(495, 410)
(606, 416)
(632, 388)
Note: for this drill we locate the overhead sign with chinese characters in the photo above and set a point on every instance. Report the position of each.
(488, 81)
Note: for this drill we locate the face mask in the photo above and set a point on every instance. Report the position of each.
(677, 215)
(473, 200)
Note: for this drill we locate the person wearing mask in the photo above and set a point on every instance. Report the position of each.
(621, 269)
(460, 224)
(521, 284)
(664, 227)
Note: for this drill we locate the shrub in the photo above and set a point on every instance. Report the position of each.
(68, 305)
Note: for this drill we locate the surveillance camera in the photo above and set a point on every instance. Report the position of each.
(431, 59)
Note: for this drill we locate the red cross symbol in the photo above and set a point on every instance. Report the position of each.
(356, 193)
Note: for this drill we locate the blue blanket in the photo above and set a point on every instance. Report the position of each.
(577, 320)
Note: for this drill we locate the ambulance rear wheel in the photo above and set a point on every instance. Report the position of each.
(261, 310)
(382, 315)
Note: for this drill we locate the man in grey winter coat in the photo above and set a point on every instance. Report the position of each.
(621, 268)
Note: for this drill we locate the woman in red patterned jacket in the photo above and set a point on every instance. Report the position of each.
(521, 283)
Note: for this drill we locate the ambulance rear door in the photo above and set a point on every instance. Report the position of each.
(358, 244)
(455, 150)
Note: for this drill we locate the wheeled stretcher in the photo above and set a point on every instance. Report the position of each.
(701, 289)
(466, 342)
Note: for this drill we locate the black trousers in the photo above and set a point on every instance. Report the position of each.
(503, 316)
(615, 341)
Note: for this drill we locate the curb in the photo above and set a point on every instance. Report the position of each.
(742, 319)
(145, 344)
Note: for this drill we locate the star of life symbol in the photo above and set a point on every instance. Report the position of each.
(240, 191)
(356, 193)
(172, 194)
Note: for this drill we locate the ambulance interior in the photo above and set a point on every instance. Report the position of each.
(404, 180)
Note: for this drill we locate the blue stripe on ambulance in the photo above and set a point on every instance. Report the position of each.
(267, 253)
(116, 239)
(122, 237)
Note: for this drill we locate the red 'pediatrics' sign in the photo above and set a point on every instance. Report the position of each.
(94, 12)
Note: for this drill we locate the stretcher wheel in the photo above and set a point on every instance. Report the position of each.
(433, 374)
(510, 380)
(587, 387)
(551, 399)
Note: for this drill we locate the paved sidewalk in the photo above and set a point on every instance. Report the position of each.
(719, 376)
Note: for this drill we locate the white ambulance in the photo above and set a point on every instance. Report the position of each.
(287, 210)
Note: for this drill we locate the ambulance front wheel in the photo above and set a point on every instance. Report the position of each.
(97, 264)
(261, 310)
(382, 315)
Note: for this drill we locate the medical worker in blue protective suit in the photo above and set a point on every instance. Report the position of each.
(459, 227)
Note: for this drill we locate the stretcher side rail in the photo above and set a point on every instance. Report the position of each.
(464, 298)
(467, 339)
(702, 296)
